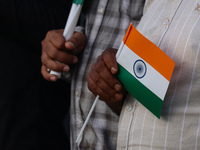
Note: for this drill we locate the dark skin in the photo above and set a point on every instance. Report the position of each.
(55, 48)
(103, 82)
(101, 78)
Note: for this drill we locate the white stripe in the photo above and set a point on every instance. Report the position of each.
(133, 127)
(153, 14)
(186, 21)
(175, 29)
(197, 136)
(156, 20)
(154, 125)
(177, 78)
(142, 129)
(129, 127)
(153, 80)
(189, 89)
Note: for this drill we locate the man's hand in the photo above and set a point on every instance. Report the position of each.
(103, 82)
(55, 48)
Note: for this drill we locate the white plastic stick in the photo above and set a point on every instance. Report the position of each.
(70, 27)
(71, 14)
(87, 119)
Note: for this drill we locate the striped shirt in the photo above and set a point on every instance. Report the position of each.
(106, 24)
(174, 26)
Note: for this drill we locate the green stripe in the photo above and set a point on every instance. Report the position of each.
(140, 92)
(78, 2)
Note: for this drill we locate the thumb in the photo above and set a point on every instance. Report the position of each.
(76, 43)
(110, 60)
(69, 45)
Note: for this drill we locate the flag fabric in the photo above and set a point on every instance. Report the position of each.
(144, 70)
(78, 2)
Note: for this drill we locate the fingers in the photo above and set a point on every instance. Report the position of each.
(103, 83)
(101, 88)
(53, 51)
(52, 64)
(54, 48)
(55, 37)
(46, 75)
(57, 54)
(106, 74)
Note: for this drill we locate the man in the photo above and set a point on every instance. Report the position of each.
(174, 27)
(106, 24)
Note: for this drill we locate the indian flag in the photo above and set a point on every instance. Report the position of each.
(144, 70)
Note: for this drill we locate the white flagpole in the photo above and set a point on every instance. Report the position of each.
(87, 119)
(96, 99)
(69, 27)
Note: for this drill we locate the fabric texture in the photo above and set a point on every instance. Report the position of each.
(106, 24)
(173, 25)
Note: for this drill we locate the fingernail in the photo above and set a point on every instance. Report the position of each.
(117, 87)
(66, 69)
(113, 70)
(118, 96)
(75, 60)
(71, 45)
(53, 78)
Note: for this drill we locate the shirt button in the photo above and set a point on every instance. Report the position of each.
(67, 75)
(129, 108)
(166, 21)
(100, 10)
(77, 93)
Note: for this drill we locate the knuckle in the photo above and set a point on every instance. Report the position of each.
(43, 60)
(60, 43)
(50, 33)
(41, 70)
(100, 66)
(42, 42)
(58, 67)
(95, 77)
(99, 58)
(107, 98)
(92, 87)
(52, 54)
(107, 50)
(112, 93)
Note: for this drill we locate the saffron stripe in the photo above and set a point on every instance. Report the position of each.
(149, 52)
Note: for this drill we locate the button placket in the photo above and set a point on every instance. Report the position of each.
(129, 108)
(100, 10)
(78, 93)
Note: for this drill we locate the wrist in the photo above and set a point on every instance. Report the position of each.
(116, 107)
